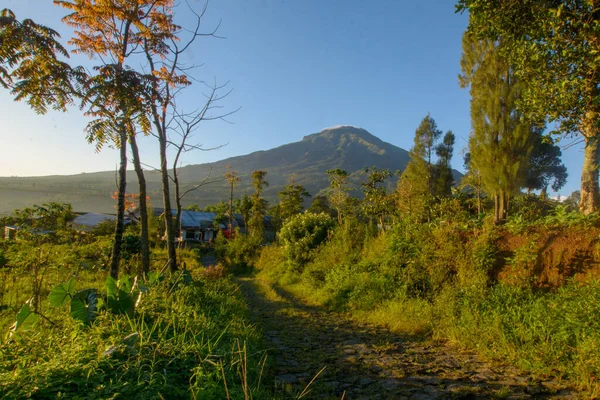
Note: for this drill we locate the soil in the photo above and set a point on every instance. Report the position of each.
(556, 255)
(321, 354)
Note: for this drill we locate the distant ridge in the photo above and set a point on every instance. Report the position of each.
(343, 146)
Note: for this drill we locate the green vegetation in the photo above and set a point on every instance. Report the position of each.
(69, 331)
(458, 280)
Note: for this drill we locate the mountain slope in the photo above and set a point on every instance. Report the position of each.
(347, 147)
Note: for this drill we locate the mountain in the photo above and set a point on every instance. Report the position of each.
(346, 147)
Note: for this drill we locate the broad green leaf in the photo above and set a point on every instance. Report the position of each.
(111, 288)
(62, 292)
(126, 303)
(26, 318)
(84, 306)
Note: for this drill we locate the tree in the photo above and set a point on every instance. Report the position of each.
(415, 188)
(292, 200)
(114, 97)
(319, 205)
(500, 142)
(545, 165)
(256, 224)
(412, 194)
(553, 46)
(233, 178)
(442, 172)
(472, 181)
(30, 65)
(426, 137)
(244, 207)
(338, 191)
(377, 203)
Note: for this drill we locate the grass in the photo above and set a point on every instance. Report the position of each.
(192, 341)
(434, 281)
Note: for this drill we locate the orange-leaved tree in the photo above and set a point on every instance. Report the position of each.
(114, 31)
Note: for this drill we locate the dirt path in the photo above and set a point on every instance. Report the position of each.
(366, 362)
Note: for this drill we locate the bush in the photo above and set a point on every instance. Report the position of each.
(237, 254)
(302, 234)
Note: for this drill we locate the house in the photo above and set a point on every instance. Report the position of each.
(197, 226)
(10, 232)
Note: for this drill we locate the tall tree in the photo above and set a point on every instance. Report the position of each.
(233, 178)
(416, 186)
(545, 165)
(377, 203)
(412, 194)
(442, 173)
(114, 96)
(291, 200)
(472, 181)
(256, 224)
(244, 207)
(500, 142)
(426, 137)
(338, 191)
(553, 45)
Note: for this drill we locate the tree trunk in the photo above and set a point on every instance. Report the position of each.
(590, 198)
(231, 211)
(145, 269)
(479, 197)
(120, 226)
(502, 206)
(177, 222)
(544, 192)
(164, 172)
(496, 208)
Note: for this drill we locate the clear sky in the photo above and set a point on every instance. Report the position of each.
(295, 67)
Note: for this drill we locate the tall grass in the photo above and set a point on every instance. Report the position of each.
(189, 341)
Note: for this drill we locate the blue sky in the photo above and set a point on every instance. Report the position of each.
(295, 67)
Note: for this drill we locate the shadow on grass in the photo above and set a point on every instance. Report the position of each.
(369, 362)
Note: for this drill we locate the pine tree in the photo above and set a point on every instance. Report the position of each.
(442, 173)
(500, 142)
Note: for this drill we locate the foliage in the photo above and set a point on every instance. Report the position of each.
(168, 349)
(500, 143)
(377, 203)
(302, 234)
(239, 253)
(551, 46)
(31, 66)
(545, 165)
(291, 200)
(338, 191)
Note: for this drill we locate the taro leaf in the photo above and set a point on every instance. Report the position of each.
(84, 306)
(126, 283)
(62, 292)
(126, 303)
(112, 292)
(25, 318)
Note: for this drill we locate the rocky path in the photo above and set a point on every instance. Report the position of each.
(360, 361)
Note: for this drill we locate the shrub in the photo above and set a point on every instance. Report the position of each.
(302, 234)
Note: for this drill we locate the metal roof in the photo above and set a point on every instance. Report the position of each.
(197, 219)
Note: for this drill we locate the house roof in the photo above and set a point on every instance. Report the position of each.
(91, 220)
(197, 219)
